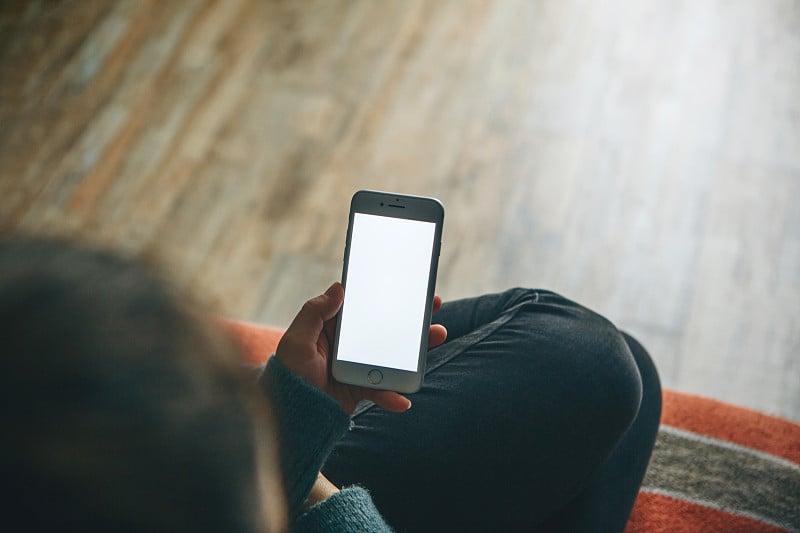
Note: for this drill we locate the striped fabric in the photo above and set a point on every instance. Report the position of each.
(716, 467)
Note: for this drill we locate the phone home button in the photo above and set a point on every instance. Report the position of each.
(375, 376)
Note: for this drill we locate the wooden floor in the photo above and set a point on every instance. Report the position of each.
(640, 157)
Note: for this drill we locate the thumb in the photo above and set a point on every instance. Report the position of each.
(334, 297)
(309, 321)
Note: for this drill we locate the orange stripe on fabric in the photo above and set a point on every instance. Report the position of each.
(732, 423)
(654, 513)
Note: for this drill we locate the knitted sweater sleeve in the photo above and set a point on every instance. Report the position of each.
(309, 425)
(347, 511)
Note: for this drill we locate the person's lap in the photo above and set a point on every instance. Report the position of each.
(520, 407)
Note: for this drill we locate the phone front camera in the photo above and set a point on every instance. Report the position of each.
(381, 204)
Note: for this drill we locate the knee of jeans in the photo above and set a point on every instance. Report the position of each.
(651, 382)
(617, 383)
(611, 380)
(606, 375)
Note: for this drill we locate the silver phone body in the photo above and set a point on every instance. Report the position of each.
(390, 262)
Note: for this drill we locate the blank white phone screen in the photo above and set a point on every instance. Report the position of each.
(385, 291)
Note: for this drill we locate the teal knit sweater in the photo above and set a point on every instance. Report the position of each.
(309, 425)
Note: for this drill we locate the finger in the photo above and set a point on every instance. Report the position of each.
(437, 335)
(329, 330)
(437, 303)
(389, 400)
(315, 312)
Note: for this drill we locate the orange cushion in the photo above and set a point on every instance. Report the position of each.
(256, 342)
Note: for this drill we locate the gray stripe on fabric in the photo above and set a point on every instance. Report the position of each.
(731, 446)
(734, 478)
(712, 505)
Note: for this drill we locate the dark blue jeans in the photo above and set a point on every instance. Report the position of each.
(536, 415)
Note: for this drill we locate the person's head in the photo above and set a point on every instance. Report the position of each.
(122, 410)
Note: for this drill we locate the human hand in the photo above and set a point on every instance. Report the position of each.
(306, 346)
(320, 491)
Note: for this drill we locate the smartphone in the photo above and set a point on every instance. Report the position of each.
(390, 261)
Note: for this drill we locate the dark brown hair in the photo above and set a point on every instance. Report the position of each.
(122, 410)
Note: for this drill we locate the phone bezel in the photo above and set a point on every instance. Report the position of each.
(413, 208)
